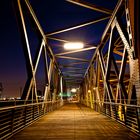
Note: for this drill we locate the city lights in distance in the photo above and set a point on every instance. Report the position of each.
(89, 91)
(73, 45)
(73, 90)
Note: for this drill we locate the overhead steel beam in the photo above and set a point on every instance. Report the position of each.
(106, 31)
(72, 73)
(72, 78)
(116, 80)
(71, 82)
(124, 39)
(77, 26)
(117, 41)
(73, 67)
(77, 79)
(76, 51)
(58, 39)
(90, 6)
(74, 63)
(73, 58)
(33, 16)
(111, 19)
(118, 52)
(74, 81)
(65, 41)
(76, 68)
(120, 61)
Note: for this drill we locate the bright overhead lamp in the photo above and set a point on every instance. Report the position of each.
(73, 45)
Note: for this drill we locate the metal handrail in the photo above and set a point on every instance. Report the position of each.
(113, 103)
(18, 106)
(126, 114)
(15, 118)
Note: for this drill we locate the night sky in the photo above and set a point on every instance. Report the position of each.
(12, 65)
(53, 15)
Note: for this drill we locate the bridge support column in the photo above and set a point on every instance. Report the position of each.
(137, 41)
(132, 17)
(61, 86)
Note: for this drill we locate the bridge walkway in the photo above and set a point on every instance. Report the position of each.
(75, 122)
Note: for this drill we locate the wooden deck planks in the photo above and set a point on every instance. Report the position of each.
(75, 122)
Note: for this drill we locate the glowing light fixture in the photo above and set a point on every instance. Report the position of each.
(73, 45)
(73, 90)
(89, 91)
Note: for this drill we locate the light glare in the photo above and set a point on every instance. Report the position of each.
(89, 91)
(73, 45)
(73, 90)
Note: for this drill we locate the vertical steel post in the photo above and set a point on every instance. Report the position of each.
(61, 86)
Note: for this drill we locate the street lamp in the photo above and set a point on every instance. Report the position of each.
(73, 45)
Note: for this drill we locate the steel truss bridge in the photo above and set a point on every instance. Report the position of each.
(109, 85)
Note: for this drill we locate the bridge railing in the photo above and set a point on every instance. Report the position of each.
(126, 114)
(15, 118)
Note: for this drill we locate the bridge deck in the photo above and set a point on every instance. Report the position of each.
(75, 122)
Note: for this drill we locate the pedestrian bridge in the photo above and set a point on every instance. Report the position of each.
(72, 121)
(75, 122)
(103, 75)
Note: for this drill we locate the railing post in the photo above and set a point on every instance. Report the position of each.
(125, 114)
(12, 121)
(138, 117)
(25, 113)
(33, 112)
(115, 111)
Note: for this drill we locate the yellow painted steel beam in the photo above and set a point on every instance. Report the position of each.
(73, 58)
(77, 26)
(76, 51)
(91, 6)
